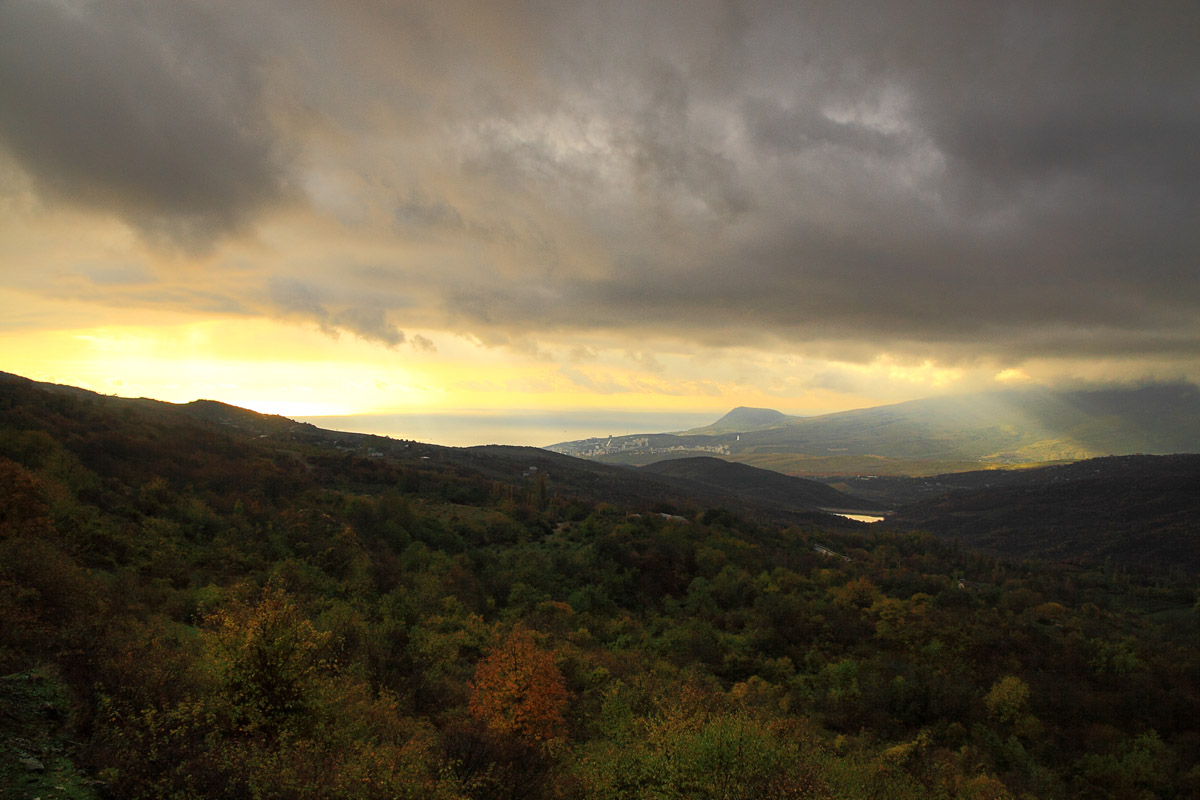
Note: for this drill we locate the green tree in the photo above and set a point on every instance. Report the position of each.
(1008, 699)
(267, 656)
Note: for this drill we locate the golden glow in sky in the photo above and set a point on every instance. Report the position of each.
(316, 208)
(295, 370)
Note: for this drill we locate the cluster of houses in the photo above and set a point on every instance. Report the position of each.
(640, 445)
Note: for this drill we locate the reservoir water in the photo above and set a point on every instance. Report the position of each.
(860, 517)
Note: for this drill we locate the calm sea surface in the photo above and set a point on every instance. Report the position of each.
(532, 428)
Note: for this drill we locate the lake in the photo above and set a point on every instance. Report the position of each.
(860, 517)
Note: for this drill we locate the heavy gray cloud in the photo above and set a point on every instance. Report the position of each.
(364, 318)
(1019, 179)
(151, 113)
(1014, 176)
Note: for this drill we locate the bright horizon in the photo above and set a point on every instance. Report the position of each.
(469, 211)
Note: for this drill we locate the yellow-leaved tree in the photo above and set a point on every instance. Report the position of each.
(266, 656)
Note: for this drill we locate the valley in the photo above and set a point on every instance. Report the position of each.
(199, 600)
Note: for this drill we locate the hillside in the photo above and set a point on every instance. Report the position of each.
(743, 419)
(763, 485)
(319, 451)
(1132, 511)
(939, 435)
(198, 601)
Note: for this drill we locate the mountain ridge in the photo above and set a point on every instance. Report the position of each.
(937, 435)
(773, 487)
(508, 464)
(1137, 509)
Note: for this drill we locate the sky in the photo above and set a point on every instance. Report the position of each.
(378, 207)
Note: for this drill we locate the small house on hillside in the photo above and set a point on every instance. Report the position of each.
(825, 551)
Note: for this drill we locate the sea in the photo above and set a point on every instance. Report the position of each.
(530, 428)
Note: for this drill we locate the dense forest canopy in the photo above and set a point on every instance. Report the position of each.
(199, 605)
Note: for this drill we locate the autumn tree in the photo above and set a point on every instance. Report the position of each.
(518, 690)
(267, 656)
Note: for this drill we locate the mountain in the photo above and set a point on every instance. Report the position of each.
(766, 486)
(101, 428)
(743, 419)
(1128, 510)
(934, 436)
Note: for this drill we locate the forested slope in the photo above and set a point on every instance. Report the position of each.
(766, 486)
(195, 609)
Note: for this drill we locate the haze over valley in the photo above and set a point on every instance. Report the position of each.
(926, 437)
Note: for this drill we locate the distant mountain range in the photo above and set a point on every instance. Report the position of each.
(933, 436)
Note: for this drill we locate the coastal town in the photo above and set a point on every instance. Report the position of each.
(634, 445)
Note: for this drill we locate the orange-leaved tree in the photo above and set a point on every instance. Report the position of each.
(518, 690)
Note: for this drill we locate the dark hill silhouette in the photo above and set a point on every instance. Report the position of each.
(102, 429)
(1131, 510)
(760, 484)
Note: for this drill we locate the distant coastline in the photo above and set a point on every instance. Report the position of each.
(531, 428)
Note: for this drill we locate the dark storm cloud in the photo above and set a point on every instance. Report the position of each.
(1013, 179)
(148, 111)
(1022, 178)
